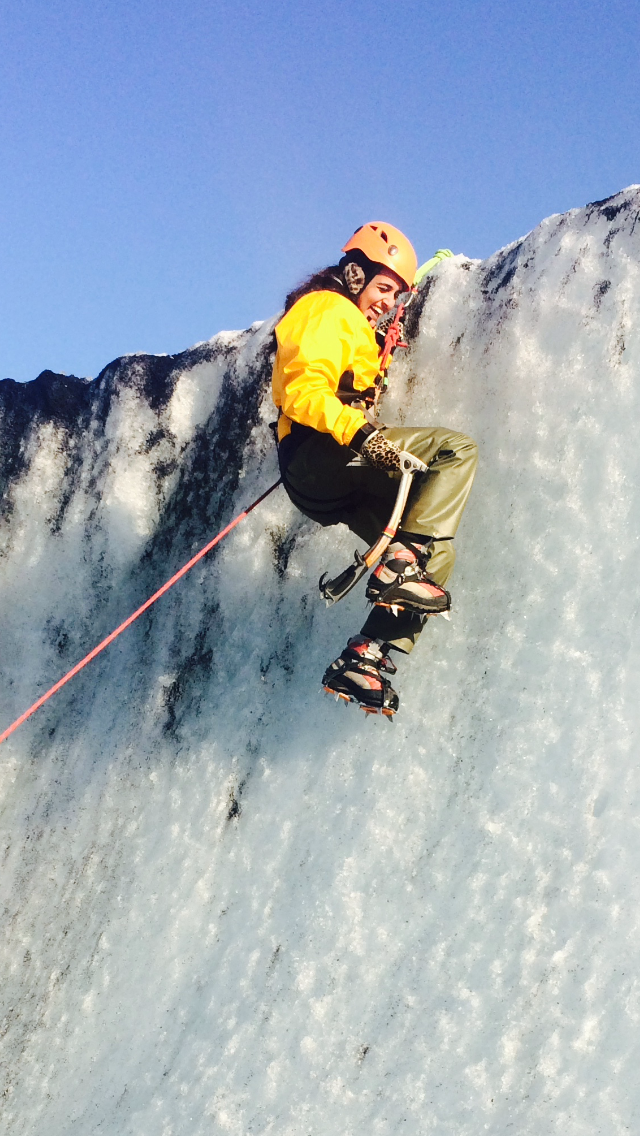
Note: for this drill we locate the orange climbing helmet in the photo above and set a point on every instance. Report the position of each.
(385, 245)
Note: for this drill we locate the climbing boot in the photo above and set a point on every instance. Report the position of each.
(401, 582)
(359, 675)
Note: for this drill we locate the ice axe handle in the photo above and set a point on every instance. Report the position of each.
(336, 589)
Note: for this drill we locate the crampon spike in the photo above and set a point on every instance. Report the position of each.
(338, 695)
(346, 701)
(396, 608)
(384, 710)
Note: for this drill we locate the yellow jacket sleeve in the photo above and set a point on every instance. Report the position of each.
(322, 336)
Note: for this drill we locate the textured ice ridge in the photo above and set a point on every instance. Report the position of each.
(232, 906)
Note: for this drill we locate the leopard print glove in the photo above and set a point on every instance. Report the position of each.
(381, 453)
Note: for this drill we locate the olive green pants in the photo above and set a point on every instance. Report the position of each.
(321, 484)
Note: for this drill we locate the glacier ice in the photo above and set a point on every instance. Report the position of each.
(232, 906)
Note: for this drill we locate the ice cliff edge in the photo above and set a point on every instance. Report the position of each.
(232, 906)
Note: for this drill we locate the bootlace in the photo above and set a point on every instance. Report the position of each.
(372, 656)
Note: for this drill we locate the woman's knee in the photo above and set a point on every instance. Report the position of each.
(472, 451)
(463, 445)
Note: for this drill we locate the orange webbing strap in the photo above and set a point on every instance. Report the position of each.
(392, 338)
(132, 618)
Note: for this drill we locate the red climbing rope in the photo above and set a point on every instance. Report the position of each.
(127, 623)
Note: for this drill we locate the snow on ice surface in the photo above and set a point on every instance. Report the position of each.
(231, 905)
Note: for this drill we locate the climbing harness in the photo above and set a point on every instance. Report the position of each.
(132, 618)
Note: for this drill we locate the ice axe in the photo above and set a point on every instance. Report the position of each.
(334, 590)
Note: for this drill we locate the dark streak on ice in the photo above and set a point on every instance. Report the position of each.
(610, 211)
(600, 290)
(63, 400)
(199, 505)
(502, 271)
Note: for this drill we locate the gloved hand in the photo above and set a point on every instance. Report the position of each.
(380, 453)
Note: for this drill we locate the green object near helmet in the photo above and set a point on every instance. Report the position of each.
(441, 254)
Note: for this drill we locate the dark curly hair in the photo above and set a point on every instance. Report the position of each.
(328, 279)
(331, 279)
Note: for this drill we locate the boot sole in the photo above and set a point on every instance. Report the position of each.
(346, 698)
(395, 608)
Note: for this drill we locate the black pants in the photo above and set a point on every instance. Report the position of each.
(318, 479)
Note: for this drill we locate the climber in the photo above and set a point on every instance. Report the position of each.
(326, 380)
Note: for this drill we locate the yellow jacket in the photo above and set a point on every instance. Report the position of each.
(322, 339)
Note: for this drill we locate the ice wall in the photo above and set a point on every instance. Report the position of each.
(233, 906)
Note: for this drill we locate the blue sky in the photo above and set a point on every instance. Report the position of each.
(170, 170)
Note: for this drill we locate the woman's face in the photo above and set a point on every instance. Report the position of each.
(379, 296)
